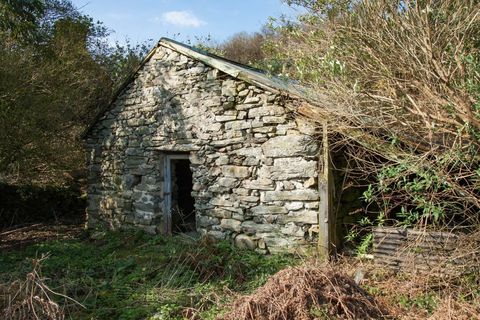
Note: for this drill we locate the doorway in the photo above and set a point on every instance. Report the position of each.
(179, 203)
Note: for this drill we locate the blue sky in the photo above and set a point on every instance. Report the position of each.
(183, 20)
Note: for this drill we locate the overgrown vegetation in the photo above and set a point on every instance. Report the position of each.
(56, 71)
(131, 275)
(397, 85)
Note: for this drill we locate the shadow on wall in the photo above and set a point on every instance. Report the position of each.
(31, 204)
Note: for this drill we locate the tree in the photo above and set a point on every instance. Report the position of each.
(244, 48)
(56, 72)
(20, 18)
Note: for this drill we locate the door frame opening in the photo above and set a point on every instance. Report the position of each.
(168, 189)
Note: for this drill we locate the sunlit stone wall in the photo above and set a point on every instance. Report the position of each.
(254, 165)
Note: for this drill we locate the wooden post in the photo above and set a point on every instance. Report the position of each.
(324, 223)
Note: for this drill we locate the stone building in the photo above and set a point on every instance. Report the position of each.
(194, 142)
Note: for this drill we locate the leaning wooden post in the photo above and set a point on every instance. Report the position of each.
(324, 223)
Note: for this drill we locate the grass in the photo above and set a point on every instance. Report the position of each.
(132, 275)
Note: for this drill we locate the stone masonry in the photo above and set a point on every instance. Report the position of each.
(255, 167)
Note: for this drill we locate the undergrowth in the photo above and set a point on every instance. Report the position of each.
(131, 275)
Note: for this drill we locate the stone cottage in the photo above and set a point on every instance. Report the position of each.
(195, 142)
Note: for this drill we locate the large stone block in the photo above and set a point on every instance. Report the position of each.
(249, 152)
(238, 125)
(293, 206)
(221, 201)
(265, 111)
(294, 195)
(291, 229)
(235, 171)
(220, 213)
(228, 182)
(279, 243)
(296, 167)
(264, 209)
(225, 118)
(227, 142)
(259, 184)
(231, 224)
(300, 217)
(251, 228)
(248, 198)
(205, 221)
(229, 88)
(290, 146)
(243, 241)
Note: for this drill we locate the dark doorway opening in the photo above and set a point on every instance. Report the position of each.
(183, 204)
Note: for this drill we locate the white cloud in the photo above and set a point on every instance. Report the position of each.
(181, 18)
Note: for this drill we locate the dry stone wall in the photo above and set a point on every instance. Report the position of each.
(254, 165)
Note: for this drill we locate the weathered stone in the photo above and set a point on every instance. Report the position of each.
(243, 93)
(241, 191)
(265, 111)
(243, 241)
(300, 217)
(249, 152)
(310, 182)
(221, 201)
(289, 146)
(292, 229)
(293, 206)
(248, 198)
(238, 125)
(311, 205)
(226, 142)
(277, 244)
(241, 115)
(305, 126)
(228, 182)
(251, 161)
(222, 160)
(249, 100)
(221, 213)
(289, 168)
(263, 209)
(215, 235)
(270, 129)
(231, 224)
(288, 185)
(195, 159)
(229, 88)
(235, 171)
(225, 118)
(205, 221)
(294, 195)
(273, 120)
(259, 184)
(251, 228)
